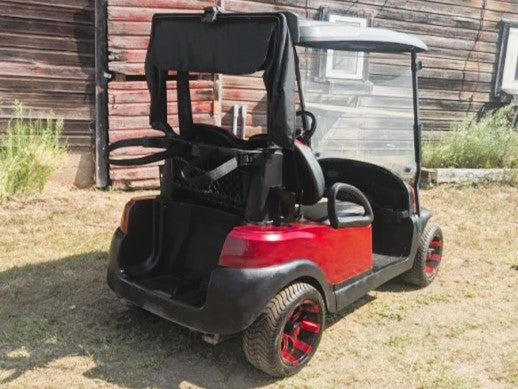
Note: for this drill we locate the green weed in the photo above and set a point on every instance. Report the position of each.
(29, 153)
(487, 143)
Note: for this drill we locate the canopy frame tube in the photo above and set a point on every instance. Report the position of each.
(416, 66)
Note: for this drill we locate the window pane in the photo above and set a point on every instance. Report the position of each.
(351, 64)
(346, 63)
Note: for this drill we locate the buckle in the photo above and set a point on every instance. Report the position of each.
(209, 14)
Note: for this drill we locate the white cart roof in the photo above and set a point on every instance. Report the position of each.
(336, 36)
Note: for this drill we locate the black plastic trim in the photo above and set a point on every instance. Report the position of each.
(348, 221)
(424, 217)
(353, 291)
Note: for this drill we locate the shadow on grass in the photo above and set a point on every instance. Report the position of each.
(334, 318)
(64, 308)
(397, 286)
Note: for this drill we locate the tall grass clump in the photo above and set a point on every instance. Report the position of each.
(30, 152)
(487, 143)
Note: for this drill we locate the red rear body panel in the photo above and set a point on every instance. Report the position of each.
(340, 253)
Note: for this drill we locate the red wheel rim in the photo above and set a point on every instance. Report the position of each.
(433, 257)
(301, 333)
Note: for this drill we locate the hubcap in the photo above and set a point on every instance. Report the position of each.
(433, 257)
(301, 333)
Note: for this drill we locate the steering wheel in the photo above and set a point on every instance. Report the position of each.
(307, 134)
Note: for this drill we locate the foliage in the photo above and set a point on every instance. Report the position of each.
(486, 143)
(30, 152)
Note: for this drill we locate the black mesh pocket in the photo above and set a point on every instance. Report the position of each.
(229, 192)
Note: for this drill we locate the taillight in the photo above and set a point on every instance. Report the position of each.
(124, 227)
(126, 214)
(412, 194)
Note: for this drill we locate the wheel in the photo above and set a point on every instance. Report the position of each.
(427, 259)
(286, 335)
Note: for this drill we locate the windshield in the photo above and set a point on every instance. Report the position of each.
(363, 104)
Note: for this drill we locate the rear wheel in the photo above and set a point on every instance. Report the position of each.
(286, 335)
(428, 258)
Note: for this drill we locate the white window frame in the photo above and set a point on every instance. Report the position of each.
(342, 74)
(509, 81)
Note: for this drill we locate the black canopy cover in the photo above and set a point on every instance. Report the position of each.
(229, 44)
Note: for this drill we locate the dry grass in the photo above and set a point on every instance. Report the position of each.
(60, 326)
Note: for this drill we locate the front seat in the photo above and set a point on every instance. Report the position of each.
(303, 176)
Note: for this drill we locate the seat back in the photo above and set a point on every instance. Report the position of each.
(303, 175)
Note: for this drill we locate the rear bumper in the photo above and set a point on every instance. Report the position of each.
(235, 297)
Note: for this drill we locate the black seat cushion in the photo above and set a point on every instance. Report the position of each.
(318, 212)
(303, 175)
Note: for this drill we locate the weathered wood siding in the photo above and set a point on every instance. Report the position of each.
(47, 61)
(456, 80)
(462, 37)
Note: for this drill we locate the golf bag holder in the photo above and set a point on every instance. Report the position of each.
(231, 179)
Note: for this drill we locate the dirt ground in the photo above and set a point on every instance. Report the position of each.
(60, 325)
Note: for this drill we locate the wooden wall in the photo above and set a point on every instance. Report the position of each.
(47, 61)
(455, 82)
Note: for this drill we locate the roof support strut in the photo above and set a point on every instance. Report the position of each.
(416, 66)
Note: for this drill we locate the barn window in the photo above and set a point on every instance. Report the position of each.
(346, 65)
(507, 70)
(510, 75)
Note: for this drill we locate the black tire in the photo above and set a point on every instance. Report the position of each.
(425, 269)
(266, 342)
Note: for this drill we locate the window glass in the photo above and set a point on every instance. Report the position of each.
(370, 119)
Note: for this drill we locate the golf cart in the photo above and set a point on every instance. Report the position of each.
(262, 236)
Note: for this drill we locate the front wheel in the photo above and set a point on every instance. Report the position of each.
(286, 335)
(427, 259)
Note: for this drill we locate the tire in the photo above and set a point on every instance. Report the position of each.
(427, 259)
(286, 335)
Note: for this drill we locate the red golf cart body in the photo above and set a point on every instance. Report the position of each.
(239, 220)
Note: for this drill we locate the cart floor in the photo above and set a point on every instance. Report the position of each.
(173, 287)
(380, 261)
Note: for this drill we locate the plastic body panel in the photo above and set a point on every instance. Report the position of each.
(340, 253)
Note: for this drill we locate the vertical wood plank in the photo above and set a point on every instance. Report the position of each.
(101, 96)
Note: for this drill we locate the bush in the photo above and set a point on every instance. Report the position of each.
(487, 143)
(29, 153)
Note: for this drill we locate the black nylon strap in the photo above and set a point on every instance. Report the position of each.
(159, 142)
(164, 127)
(158, 92)
(207, 177)
(184, 105)
(142, 160)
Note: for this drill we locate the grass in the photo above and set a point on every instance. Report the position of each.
(487, 143)
(61, 326)
(29, 153)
